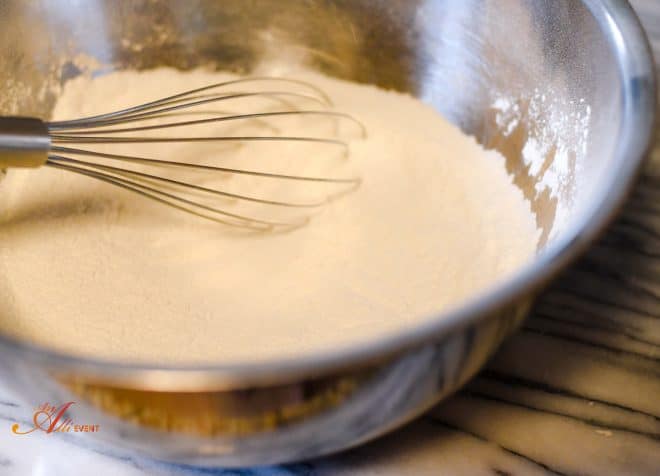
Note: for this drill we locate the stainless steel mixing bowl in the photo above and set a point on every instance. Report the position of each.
(563, 88)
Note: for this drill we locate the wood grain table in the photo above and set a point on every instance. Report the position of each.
(576, 391)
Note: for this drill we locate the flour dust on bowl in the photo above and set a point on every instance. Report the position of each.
(215, 344)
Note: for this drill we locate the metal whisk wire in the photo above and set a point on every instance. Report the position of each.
(120, 127)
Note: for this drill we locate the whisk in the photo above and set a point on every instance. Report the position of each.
(65, 145)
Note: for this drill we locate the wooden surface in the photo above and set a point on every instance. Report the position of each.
(577, 391)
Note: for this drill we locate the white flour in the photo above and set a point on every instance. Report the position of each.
(91, 269)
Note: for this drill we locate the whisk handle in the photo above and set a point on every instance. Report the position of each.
(24, 142)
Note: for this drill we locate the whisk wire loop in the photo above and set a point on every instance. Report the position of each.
(185, 111)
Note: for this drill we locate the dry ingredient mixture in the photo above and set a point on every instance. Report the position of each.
(91, 269)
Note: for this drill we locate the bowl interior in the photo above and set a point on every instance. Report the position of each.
(541, 81)
(536, 80)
